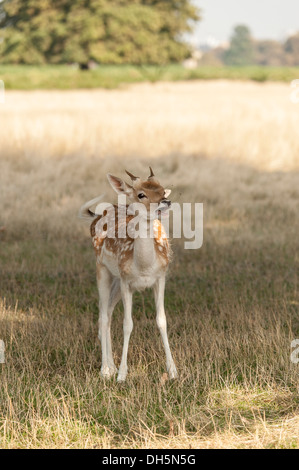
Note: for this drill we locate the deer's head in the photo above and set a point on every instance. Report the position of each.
(150, 193)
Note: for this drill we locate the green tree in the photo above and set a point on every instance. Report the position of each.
(241, 50)
(107, 31)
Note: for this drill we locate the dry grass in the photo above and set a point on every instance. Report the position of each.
(254, 124)
(232, 305)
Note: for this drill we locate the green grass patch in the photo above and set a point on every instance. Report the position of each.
(63, 77)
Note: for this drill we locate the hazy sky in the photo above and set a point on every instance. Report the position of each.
(266, 18)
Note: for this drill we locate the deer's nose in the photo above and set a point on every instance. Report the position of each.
(167, 202)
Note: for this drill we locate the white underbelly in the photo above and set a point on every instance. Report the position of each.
(140, 279)
(142, 282)
(140, 271)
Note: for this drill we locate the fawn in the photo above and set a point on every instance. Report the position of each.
(128, 263)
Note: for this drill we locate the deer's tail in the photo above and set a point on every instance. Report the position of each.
(85, 212)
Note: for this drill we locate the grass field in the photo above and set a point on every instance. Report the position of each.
(232, 306)
(24, 77)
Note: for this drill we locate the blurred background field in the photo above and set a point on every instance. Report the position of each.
(65, 45)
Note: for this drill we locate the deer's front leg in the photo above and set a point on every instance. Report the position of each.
(162, 325)
(128, 326)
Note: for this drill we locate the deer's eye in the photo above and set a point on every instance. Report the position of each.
(141, 195)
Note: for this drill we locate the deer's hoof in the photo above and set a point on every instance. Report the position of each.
(172, 372)
(113, 370)
(121, 376)
(108, 372)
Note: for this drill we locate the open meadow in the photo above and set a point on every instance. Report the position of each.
(66, 77)
(232, 306)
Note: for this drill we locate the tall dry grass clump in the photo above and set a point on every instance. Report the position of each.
(232, 306)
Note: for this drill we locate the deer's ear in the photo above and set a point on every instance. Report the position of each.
(167, 193)
(119, 186)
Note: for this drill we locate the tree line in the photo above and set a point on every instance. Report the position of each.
(245, 50)
(104, 31)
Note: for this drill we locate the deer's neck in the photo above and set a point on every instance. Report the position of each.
(144, 250)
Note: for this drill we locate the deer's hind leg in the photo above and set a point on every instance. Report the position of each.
(104, 281)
